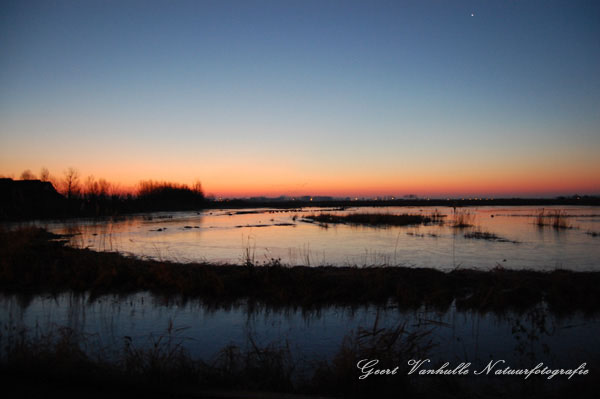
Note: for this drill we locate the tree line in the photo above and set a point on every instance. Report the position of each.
(98, 197)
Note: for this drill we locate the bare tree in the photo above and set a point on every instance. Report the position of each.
(103, 188)
(27, 175)
(197, 187)
(91, 187)
(71, 183)
(44, 174)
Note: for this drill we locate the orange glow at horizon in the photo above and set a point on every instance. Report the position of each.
(429, 187)
(305, 99)
(422, 186)
(293, 177)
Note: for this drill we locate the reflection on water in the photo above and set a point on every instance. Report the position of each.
(509, 237)
(535, 335)
(260, 235)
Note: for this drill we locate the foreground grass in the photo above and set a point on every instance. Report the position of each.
(33, 261)
(60, 364)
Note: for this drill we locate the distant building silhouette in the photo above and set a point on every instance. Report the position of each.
(21, 199)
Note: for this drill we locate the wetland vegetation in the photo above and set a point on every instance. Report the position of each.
(377, 219)
(40, 262)
(33, 261)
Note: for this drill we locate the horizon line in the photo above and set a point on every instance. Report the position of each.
(120, 189)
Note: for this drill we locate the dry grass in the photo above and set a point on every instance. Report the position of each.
(32, 261)
(556, 219)
(60, 364)
(61, 361)
(392, 347)
(486, 235)
(559, 220)
(377, 219)
(540, 218)
(463, 218)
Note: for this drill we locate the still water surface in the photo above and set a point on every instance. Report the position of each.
(259, 235)
(234, 236)
(454, 336)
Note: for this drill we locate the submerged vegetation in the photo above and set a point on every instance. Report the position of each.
(376, 219)
(556, 219)
(486, 235)
(71, 364)
(463, 218)
(33, 261)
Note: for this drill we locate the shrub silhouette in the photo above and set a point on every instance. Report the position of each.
(155, 196)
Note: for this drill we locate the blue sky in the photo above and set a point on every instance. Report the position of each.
(387, 97)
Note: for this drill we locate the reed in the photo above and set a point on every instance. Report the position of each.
(540, 220)
(375, 219)
(486, 235)
(556, 219)
(35, 261)
(463, 218)
(559, 220)
(61, 363)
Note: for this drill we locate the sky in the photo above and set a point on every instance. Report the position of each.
(343, 98)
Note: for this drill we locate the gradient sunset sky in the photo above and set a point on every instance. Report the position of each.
(358, 98)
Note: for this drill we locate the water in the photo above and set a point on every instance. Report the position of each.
(259, 235)
(519, 339)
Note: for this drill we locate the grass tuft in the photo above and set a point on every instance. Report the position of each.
(463, 218)
(376, 219)
(33, 261)
(556, 219)
(486, 235)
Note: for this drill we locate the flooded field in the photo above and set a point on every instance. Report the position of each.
(108, 323)
(558, 327)
(486, 237)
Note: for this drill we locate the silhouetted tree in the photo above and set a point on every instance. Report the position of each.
(103, 188)
(71, 183)
(44, 174)
(95, 195)
(27, 175)
(165, 195)
(197, 188)
(90, 188)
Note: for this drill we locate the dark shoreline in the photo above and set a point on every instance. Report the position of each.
(33, 261)
(287, 204)
(36, 200)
